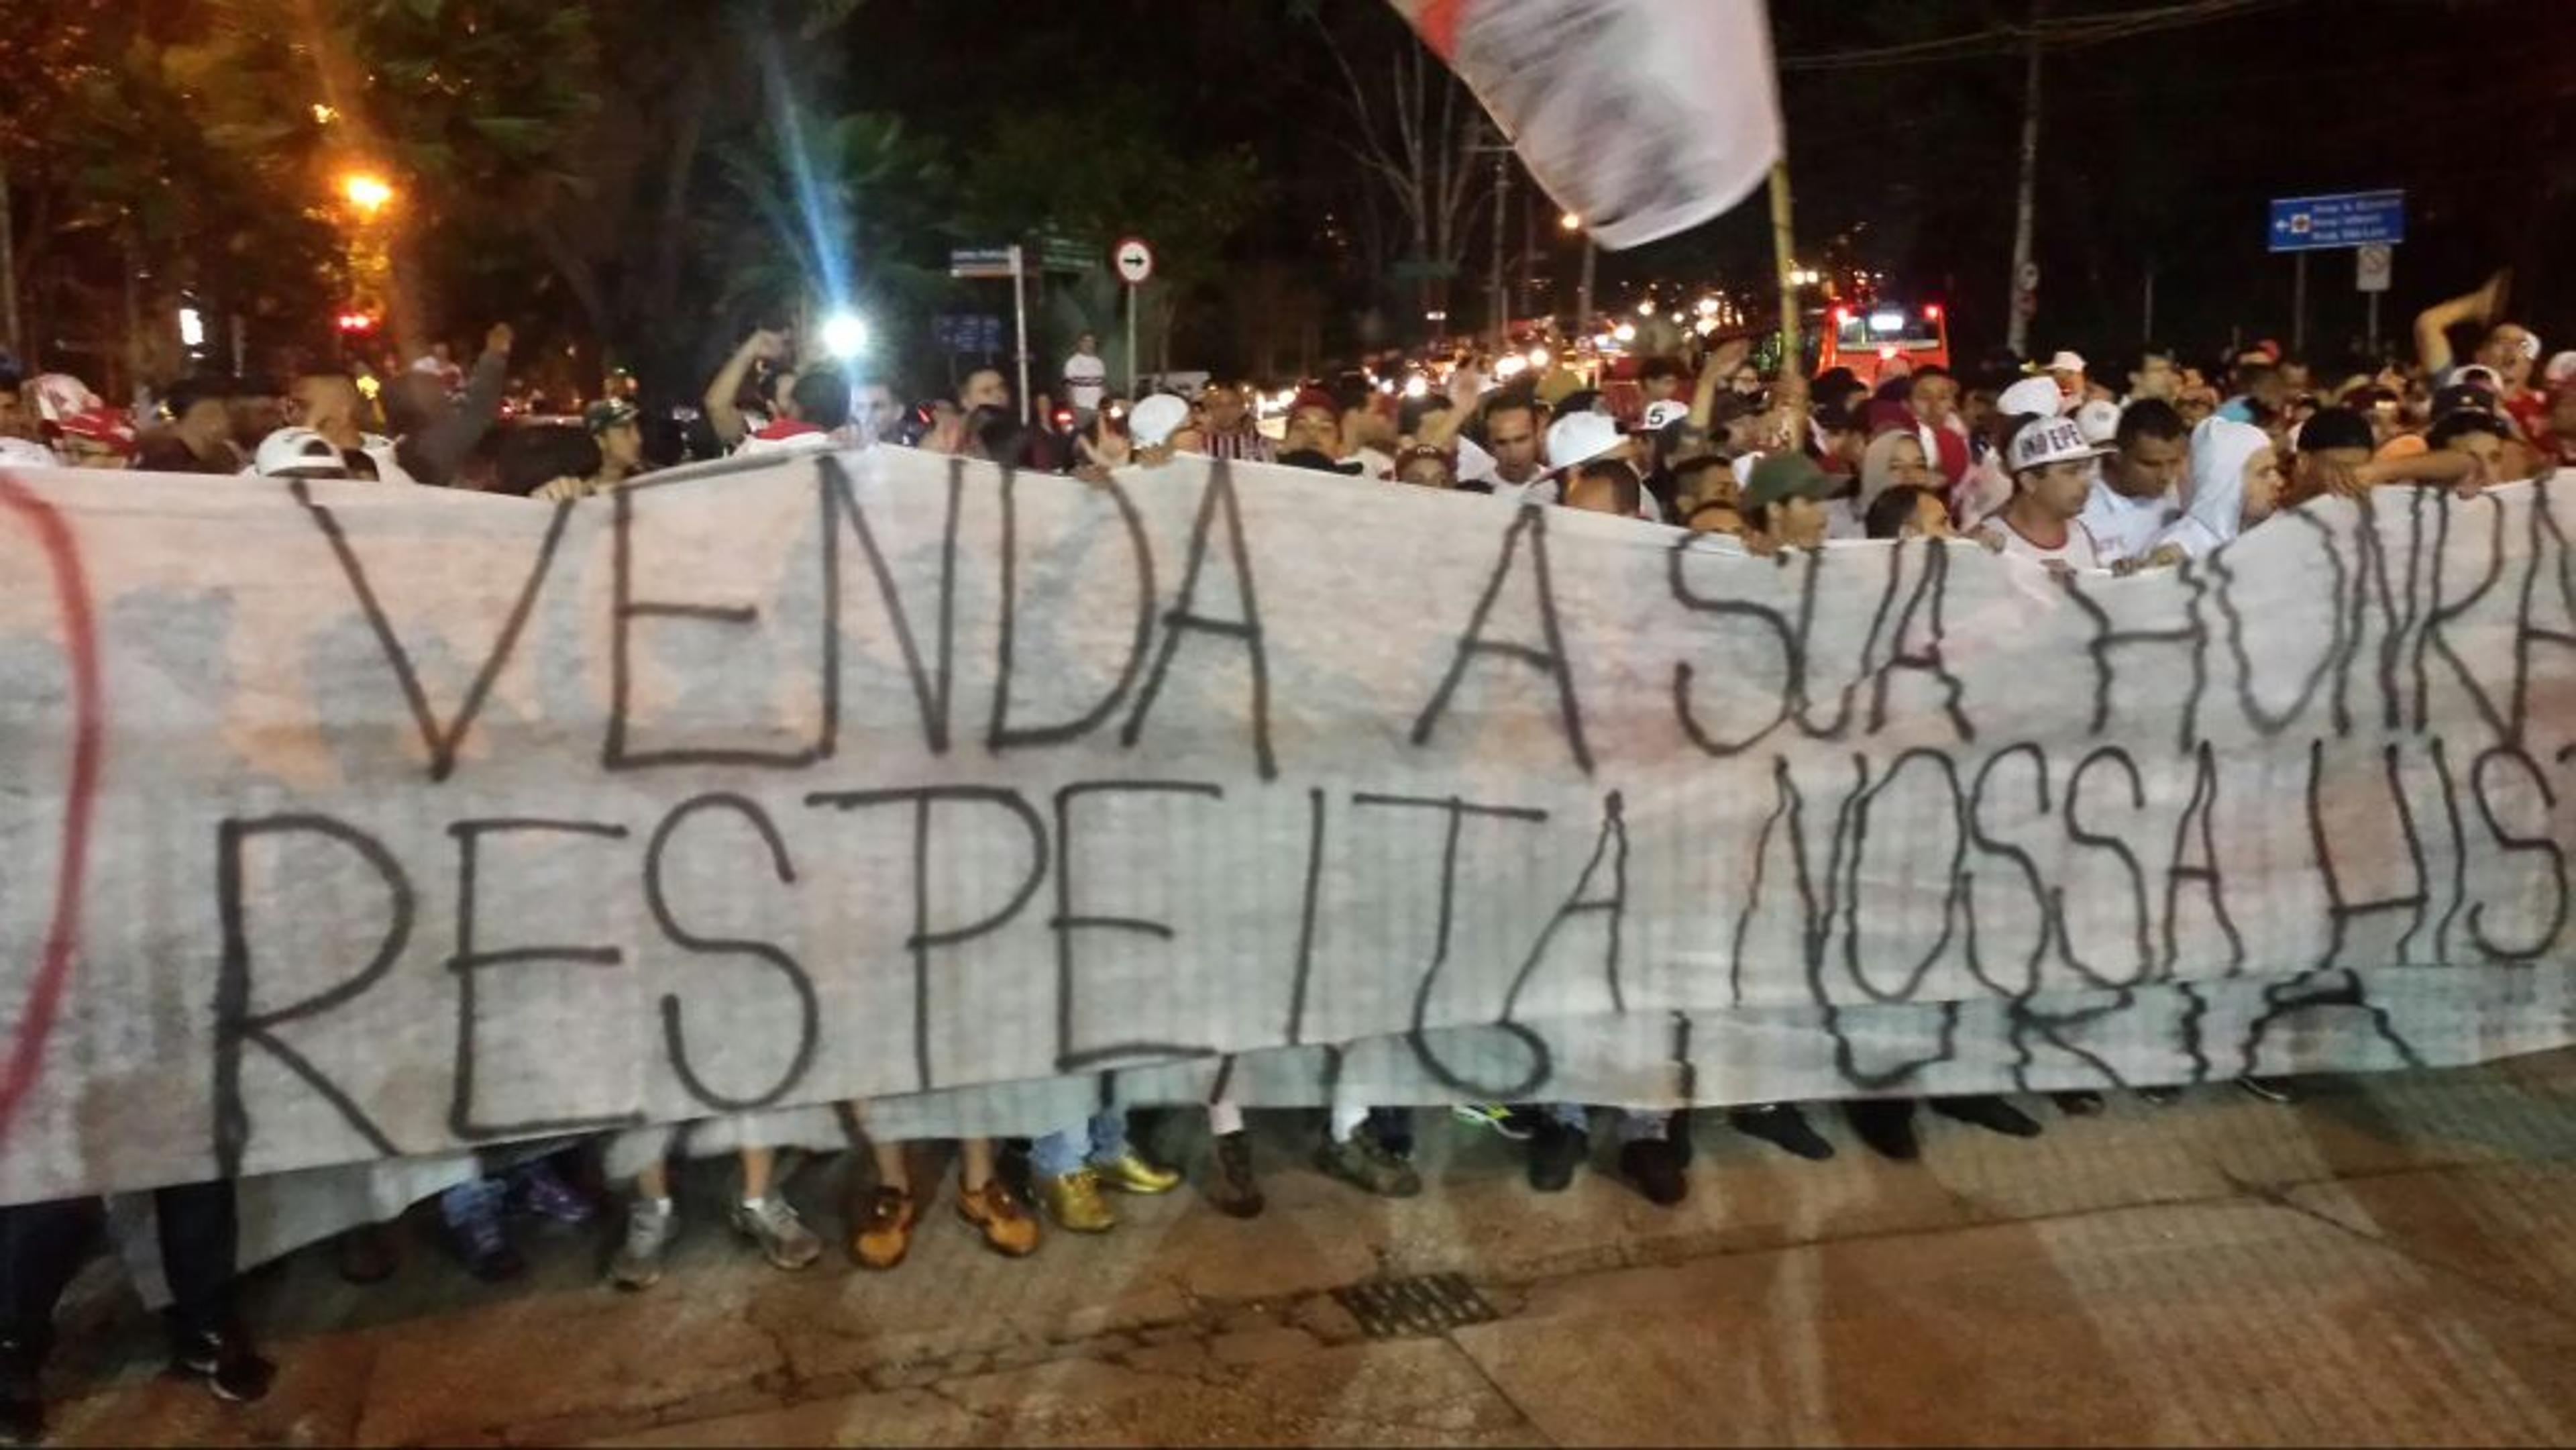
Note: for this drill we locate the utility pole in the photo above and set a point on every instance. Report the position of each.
(1527, 294)
(2299, 303)
(2025, 277)
(1502, 193)
(1784, 259)
(1583, 289)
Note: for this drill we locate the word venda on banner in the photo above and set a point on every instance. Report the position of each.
(432, 821)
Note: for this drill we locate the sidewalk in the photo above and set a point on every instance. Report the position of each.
(2389, 1261)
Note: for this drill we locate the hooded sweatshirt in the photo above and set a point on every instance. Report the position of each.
(2219, 450)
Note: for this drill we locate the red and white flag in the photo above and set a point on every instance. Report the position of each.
(1645, 117)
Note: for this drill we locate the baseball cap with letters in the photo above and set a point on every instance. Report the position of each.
(2044, 441)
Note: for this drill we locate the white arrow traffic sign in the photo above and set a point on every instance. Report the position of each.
(1134, 261)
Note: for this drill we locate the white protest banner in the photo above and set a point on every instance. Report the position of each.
(1643, 116)
(344, 821)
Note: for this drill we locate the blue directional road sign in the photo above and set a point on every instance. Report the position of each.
(2353, 219)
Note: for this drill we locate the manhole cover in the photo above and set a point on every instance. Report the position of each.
(1427, 1304)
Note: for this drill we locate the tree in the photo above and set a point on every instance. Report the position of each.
(1099, 171)
(115, 203)
(1414, 139)
(834, 204)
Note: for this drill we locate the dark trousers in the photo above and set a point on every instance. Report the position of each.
(41, 1248)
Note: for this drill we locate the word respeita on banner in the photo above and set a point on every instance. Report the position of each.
(416, 821)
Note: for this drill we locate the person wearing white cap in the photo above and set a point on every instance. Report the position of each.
(2034, 395)
(2098, 421)
(1665, 411)
(1988, 488)
(1573, 440)
(298, 453)
(2067, 371)
(2052, 474)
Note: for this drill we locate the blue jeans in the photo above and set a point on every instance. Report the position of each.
(1635, 1124)
(1063, 1151)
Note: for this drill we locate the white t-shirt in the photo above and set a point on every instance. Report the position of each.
(1542, 489)
(2076, 553)
(1375, 464)
(1086, 381)
(2123, 527)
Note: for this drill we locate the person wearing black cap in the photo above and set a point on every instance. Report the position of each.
(2334, 444)
(613, 426)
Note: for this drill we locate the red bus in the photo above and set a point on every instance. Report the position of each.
(1867, 339)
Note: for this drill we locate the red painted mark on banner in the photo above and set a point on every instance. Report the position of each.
(62, 934)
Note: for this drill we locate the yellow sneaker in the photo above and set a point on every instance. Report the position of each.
(884, 1236)
(1075, 1202)
(1130, 1173)
(1005, 1223)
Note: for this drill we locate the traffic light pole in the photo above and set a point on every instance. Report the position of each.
(2017, 330)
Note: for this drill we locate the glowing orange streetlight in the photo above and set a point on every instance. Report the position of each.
(368, 193)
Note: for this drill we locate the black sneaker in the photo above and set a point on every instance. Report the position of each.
(1990, 1113)
(1782, 1126)
(1234, 1191)
(1655, 1166)
(1555, 1150)
(224, 1360)
(22, 1397)
(2078, 1103)
(2160, 1097)
(1886, 1125)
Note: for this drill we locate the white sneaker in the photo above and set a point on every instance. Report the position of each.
(649, 1227)
(783, 1237)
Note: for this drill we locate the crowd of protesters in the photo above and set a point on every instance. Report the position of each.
(2159, 459)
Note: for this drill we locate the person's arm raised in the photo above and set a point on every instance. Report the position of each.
(1720, 364)
(722, 415)
(2433, 325)
(439, 450)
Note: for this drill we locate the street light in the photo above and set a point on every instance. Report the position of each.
(1572, 221)
(845, 335)
(369, 193)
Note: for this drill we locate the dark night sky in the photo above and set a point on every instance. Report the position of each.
(2160, 148)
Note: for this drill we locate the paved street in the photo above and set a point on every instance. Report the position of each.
(2388, 1261)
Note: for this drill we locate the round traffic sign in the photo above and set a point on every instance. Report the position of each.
(1133, 259)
